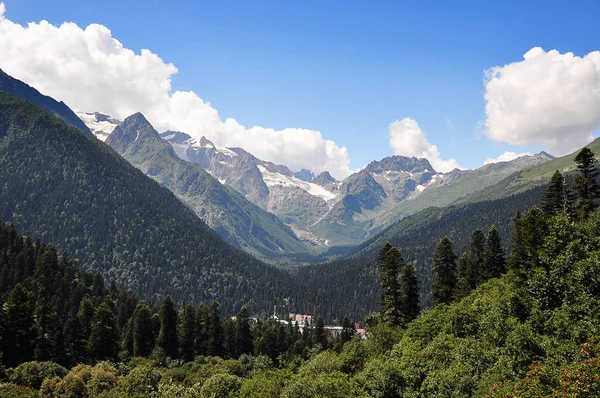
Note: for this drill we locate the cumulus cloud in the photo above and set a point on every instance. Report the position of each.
(506, 157)
(407, 139)
(90, 70)
(548, 98)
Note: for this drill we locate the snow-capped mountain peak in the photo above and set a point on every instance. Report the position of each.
(100, 124)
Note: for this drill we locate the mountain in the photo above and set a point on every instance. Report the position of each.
(233, 217)
(275, 188)
(100, 124)
(324, 211)
(17, 88)
(65, 186)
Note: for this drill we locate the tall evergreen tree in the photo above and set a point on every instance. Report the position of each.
(463, 288)
(167, 336)
(243, 333)
(104, 337)
(45, 313)
(18, 325)
(557, 198)
(202, 329)
(319, 334)
(86, 316)
(409, 293)
(518, 254)
(229, 346)
(444, 269)
(586, 185)
(75, 342)
(390, 262)
(187, 333)
(348, 330)
(215, 330)
(476, 259)
(495, 260)
(143, 331)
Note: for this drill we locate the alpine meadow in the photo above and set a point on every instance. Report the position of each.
(299, 199)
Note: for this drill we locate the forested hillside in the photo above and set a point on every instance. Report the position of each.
(66, 187)
(524, 324)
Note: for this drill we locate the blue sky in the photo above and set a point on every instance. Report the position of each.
(345, 68)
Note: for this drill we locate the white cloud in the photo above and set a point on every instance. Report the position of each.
(407, 139)
(506, 157)
(91, 71)
(548, 98)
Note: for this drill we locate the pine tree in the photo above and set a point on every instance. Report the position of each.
(556, 199)
(75, 342)
(348, 330)
(476, 259)
(104, 337)
(167, 336)
(202, 329)
(215, 331)
(390, 262)
(495, 261)
(518, 255)
(229, 347)
(586, 186)
(243, 333)
(319, 334)
(409, 293)
(444, 269)
(143, 331)
(187, 334)
(18, 325)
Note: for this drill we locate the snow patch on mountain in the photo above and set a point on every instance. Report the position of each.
(100, 124)
(276, 179)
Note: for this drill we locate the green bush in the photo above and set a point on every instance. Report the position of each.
(32, 374)
(221, 386)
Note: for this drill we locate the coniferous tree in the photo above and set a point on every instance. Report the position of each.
(127, 343)
(86, 315)
(187, 333)
(104, 337)
(75, 342)
(495, 261)
(18, 325)
(586, 186)
(215, 330)
(45, 313)
(348, 330)
(476, 259)
(167, 336)
(202, 329)
(409, 293)
(143, 331)
(444, 269)
(557, 198)
(518, 254)
(243, 333)
(390, 262)
(319, 334)
(229, 347)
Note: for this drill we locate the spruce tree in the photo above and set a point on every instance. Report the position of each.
(319, 334)
(202, 328)
(243, 333)
(518, 254)
(495, 261)
(75, 342)
(390, 262)
(104, 337)
(143, 331)
(187, 333)
(556, 199)
(18, 325)
(46, 322)
(463, 288)
(167, 336)
(444, 269)
(586, 186)
(476, 259)
(215, 330)
(348, 330)
(229, 347)
(409, 293)
(86, 315)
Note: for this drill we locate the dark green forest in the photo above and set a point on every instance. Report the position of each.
(520, 323)
(65, 187)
